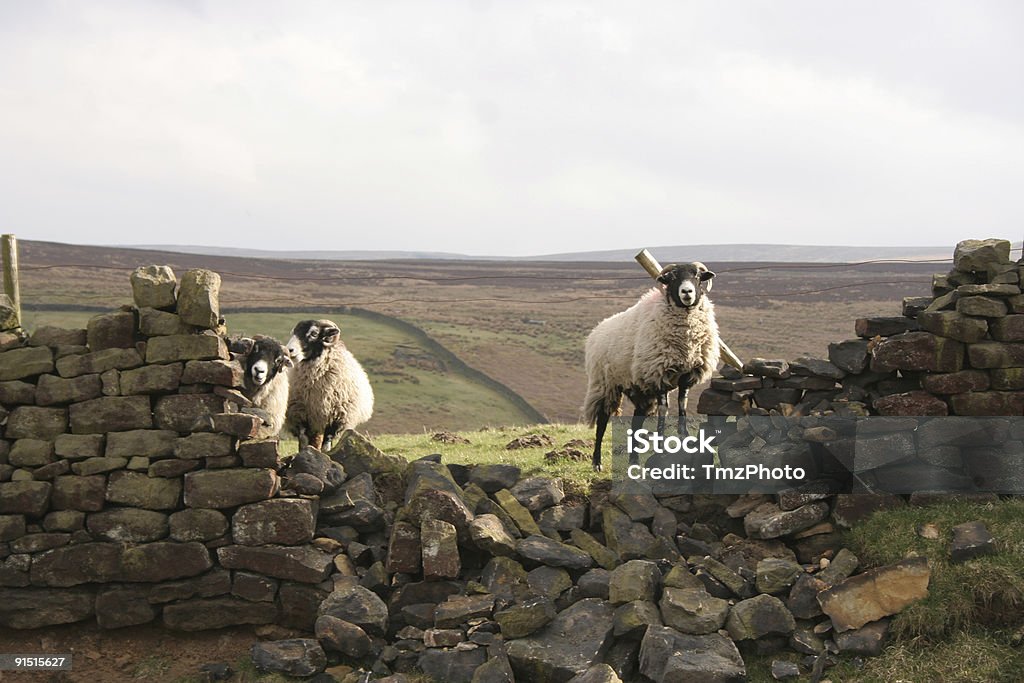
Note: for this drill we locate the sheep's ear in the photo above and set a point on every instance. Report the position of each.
(706, 277)
(330, 335)
(667, 275)
(283, 361)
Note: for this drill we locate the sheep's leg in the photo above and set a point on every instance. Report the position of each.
(662, 411)
(602, 424)
(317, 441)
(642, 408)
(684, 394)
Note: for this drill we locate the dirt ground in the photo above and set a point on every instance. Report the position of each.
(141, 653)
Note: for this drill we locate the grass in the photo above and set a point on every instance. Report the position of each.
(413, 387)
(487, 446)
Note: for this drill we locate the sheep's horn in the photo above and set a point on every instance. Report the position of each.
(653, 268)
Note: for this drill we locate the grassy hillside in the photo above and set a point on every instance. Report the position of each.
(416, 388)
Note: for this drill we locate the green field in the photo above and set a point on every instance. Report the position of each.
(415, 389)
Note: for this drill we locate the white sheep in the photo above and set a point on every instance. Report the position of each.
(330, 391)
(667, 340)
(266, 365)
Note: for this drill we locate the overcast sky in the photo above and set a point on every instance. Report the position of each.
(511, 127)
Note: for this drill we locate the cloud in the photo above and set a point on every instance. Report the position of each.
(510, 128)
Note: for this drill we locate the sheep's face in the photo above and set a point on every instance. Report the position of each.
(686, 283)
(265, 359)
(310, 338)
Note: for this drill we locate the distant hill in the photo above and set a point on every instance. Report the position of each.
(785, 253)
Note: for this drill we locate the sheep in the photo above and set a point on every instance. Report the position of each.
(267, 366)
(330, 391)
(667, 340)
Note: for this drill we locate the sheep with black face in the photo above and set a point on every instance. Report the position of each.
(267, 365)
(667, 340)
(330, 391)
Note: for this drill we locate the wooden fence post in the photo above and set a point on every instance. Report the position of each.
(11, 285)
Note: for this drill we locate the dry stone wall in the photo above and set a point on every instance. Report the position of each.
(130, 489)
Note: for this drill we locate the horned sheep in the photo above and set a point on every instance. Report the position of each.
(667, 340)
(330, 391)
(266, 365)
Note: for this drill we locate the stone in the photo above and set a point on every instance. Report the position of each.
(153, 287)
(139, 490)
(996, 355)
(815, 367)
(111, 331)
(433, 494)
(544, 550)
(494, 477)
(38, 542)
(100, 465)
(988, 290)
(303, 563)
(503, 577)
(230, 487)
(122, 606)
(150, 443)
(916, 351)
(603, 556)
(634, 580)
(87, 494)
(763, 367)
(1005, 379)
(31, 453)
(204, 614)
(488, 533)
(459, 609)
(876, 593)
(451, 666)
(127, 525)
(693, 610)
(562, 517)
(355, 505)
(29, 498)
(954, 325)
(30, 422)
(867, 641)
(769, 521)
(911, 403)
(986, 403)
(632, 619)
(77, 446)
(151, 379)
(155, 323)
(667, 656)
(213, 583)
(574, 641)
(850, 356)
(261, 453)
(760, 616)
(404, 551)
(956, 382)
(254, 587)
(163, 560)
(599, 673)
(981, 306)
(520, 515)
(550, 582)
(17, 393)
(630, 540)
(358, 606)
(11, 527)
(199, 298)
(519, 621)
(295, 656)
(440, 550)
(782, 670)
(1008, 329)
(282, 521)
(226, 373)
(341, 636)
(51, 471)
(25, 362)
(970, 540)
(52, 390)
(866, 328)
(312, 461)
(980, 255)
(50, 335)
(537, 493)
(197, 525)
(76, 564)
(775, 575)
(98, 362)
(32, 608)
(111, 414)
(186, 347)
(639, 507)
(203, 445)
(240, 425)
